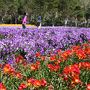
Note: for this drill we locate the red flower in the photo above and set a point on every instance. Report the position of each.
(2, 87)
(87, 51)
(71, 69)
(81, 54)
(59, 52)
(75, 69)
(22, 86)
(37, 83)
(43, 82)
(24, 63)
(30, 81)
(0, 65)
(38, 54)
(75, 48)
(65, 77)
(42, 58)
(88, 87)
(19, 75)
(56, 67)
(53, 57)
(85, 45)
(66, 70)
(19, 59)
(53, 67)
(37, 62)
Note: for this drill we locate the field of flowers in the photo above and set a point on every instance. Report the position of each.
(50, 58)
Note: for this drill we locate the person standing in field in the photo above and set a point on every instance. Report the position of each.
(39, 22)
(24, 21)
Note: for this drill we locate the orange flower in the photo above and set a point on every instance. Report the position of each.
(37, 83)
(58, 61)
(8, 69)
(35, 66)
(66, 54)
(42, 58)
(87, 51)
(76, 79)
(88, 87)
(81, 54)
(84, 65)
(2, 87)
(75, 48)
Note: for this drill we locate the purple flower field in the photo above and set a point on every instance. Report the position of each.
(44, 40)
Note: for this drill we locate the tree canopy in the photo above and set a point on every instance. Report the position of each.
(51, 11)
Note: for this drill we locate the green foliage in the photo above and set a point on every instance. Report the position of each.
(50, 10)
